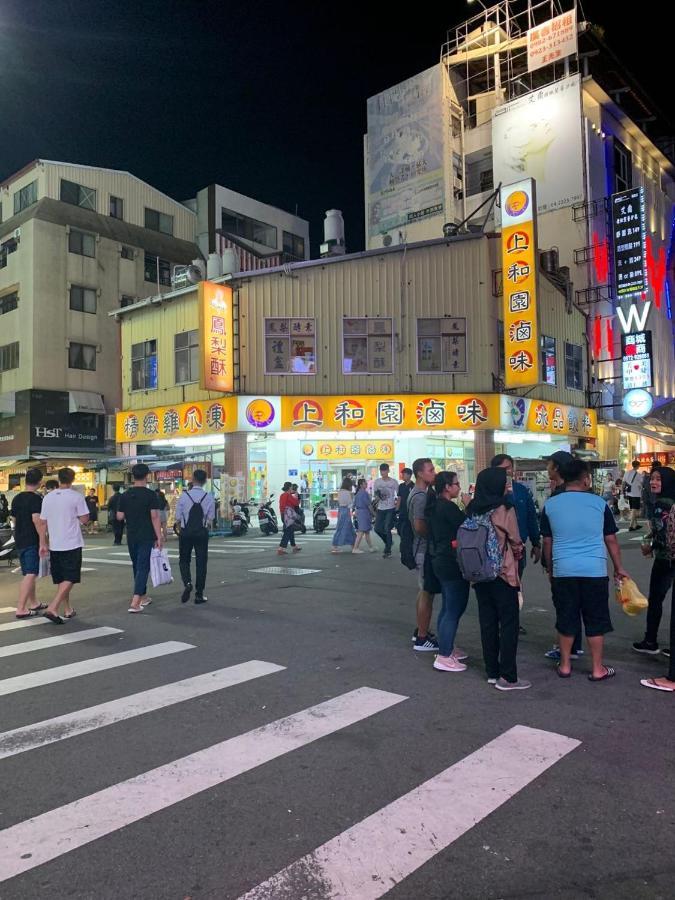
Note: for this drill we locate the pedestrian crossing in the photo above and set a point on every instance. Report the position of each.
(364, 861)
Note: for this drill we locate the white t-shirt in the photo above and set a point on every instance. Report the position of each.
(633, 478)
(386, 490)
(344, 497)
(61, 510)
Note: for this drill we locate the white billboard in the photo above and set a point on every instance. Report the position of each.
(538, 136)
(552, 41)
(405, 153)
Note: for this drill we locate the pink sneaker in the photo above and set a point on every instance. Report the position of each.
(460, 654)
(281, 552)
(297, 549)
(448, 664)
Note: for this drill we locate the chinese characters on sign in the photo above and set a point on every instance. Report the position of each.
(379, 450)
(179, 421)
(441, 345)
(552, 41)
(290, 347)
(216, 337)
(367, 346)
(519, 261)
(636, 356)
(629, 238)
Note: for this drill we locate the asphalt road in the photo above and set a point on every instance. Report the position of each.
(575, 799)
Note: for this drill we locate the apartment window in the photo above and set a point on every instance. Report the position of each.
(82, 243)
(478, 168)
(441, 345)
(186, 356)
(157, 269)
(127, 300)
(501, 356)
(127, 253)
(78, 194)
(144, 366)
(294, 245)
(573, 367)
(82, 299)
(9, 357)
(623, 167)
(25, 197)
(290, 347)
(7, 247)
(9, 302)
(116, 207)
(367, 346)
(548, 360)
(158, 221)
(250, 229)
(82, 356)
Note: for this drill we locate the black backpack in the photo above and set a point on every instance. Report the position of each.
(194, 527)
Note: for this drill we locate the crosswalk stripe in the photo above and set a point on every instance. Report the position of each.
(111, 562)
(368, 859)
(4, 609)
(68, 827)
(57, 641)
(87, 667)
(23, 623)
(49, 731)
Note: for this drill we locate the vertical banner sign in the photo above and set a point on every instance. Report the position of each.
(636, 360)
(216, 337)
(519, 262)
(629, 236)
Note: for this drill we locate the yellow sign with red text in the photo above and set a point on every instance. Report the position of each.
(519, 265)
(216, 337)
(184, 420)
(336, 450)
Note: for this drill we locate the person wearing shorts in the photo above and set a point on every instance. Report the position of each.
(632, 486)
(424, 472)
(25, 512)
(63, 512)
(579, 530)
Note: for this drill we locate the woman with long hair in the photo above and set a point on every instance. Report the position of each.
(364, 516)
(498, 610)
(288, 506)
(444, 517)
(344, 532)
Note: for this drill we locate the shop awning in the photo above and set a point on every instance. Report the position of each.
(85, 402)
(8, 403)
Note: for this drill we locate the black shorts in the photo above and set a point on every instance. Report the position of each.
(634, 502)
(585, 597)
(66, 565)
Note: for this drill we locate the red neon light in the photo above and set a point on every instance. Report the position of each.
(597, 337)
(610, 338)
(600, 258)
(656, 269)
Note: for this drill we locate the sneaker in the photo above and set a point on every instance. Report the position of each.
(450, 664)
(335, 550)
(430, 634)
(386, 554)
(201, 598)
(281, 552)
(357, 551)
(555, 654)
(460, 654)
(426, 645)
(666, 652)
(492, 681)
(520, 685)
(521, 630)
(646, 647)
(185, 596)
(297, 549)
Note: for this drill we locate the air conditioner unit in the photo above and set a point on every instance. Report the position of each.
(17, 234)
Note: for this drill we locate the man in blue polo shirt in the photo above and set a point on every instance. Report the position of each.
(579, 530)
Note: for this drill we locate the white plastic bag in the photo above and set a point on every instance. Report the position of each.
(44, 568)
(160, 567)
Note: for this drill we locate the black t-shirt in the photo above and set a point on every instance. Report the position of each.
(24, 505)
(403, 493)
(444, 523)
(136, 504)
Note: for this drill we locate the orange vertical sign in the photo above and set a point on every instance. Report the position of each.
(519, 263)
(216, 337)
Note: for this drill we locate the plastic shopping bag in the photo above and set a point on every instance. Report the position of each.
(160, 568)
(629, 596)
(44, 568)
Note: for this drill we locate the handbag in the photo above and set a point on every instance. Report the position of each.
(160, 567)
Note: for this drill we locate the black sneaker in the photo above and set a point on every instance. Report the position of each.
(521, 630)
(646, 647)
(185, 596)
(386, 554)
(666, 652)
(430, 634)
(428, 644)
(201, 598)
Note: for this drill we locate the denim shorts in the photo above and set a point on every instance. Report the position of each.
(29, 559)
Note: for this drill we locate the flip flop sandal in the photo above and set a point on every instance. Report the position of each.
(610, 672)
(651, 683)
(27, 615)
(57, 620)
(562, 674)
(70, 615)
(38, 608)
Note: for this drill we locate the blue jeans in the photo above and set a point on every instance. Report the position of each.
(140, 560)
(384, 521)
(287, 537)
(455, 595)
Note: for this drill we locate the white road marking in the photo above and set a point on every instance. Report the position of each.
(367, 860)
(68, 827)
(24, 623)
(110, 562)
(49, 731)
(98, 664)
(285, 570)
(47, 643)
(5, 609)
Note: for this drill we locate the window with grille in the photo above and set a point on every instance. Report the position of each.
(78, 194)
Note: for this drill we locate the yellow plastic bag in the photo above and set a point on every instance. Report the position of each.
(629, 596)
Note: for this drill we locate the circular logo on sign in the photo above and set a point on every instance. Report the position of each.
(307, 449)
(260, 413)
(638, 403)
(516, 203)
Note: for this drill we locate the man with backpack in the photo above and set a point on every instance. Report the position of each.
(195, 511)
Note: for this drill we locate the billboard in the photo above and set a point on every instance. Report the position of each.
(216, 332)
(552, 41)
(539, 136)
(636, 360)
(405, 181)
(629, 237)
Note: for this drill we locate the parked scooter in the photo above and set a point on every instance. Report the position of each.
(320, 517)
(7, 545)
(267, 518)
(240, 519)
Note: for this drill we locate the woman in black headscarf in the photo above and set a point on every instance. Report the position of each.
(655, 544)
(498, 610)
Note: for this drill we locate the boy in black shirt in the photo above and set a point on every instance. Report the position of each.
(139, 508)
(25, 511)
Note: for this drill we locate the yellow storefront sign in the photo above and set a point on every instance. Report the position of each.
(556, 418)
(184, 420)
(519, 264)
(216, 337)
(336, 450)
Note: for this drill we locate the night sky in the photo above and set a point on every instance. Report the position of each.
(267, 99)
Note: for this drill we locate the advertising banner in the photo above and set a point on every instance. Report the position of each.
(216, 337)
(183, 420)
(552, 41)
